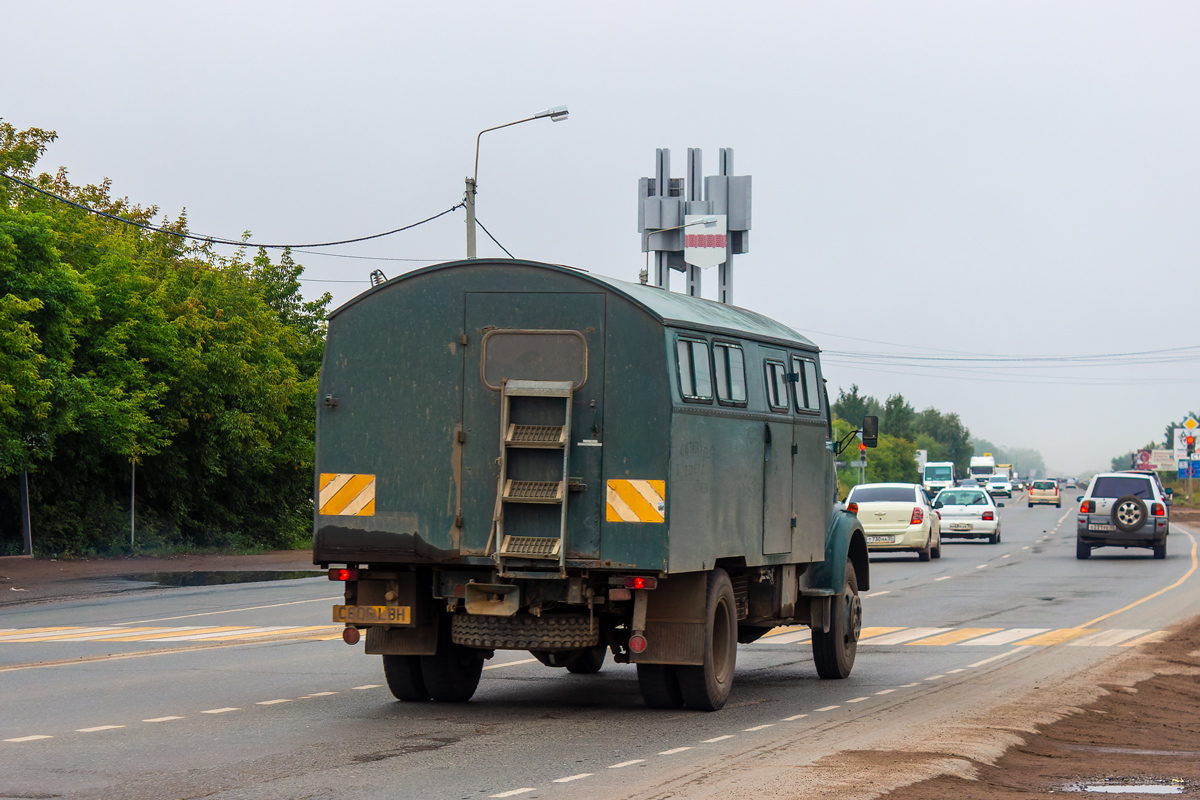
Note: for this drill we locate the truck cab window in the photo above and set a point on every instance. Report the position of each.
(777, 392)
(731, 373)
(695, 372)
(808, 388)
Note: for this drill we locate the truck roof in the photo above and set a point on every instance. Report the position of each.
(669, 308)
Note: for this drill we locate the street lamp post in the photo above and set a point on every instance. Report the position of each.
(707, 222)
(556, 114)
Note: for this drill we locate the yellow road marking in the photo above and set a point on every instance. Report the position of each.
(149, 637)
(66, 637)
(262, 634)
(954, 637)
(867, 633)
(782, 629)
(27, 631)
(1056, 637)
(1186, 575)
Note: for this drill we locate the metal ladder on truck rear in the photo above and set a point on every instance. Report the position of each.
(510, 491)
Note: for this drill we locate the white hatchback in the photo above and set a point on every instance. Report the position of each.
(897, 517)
(968, 514)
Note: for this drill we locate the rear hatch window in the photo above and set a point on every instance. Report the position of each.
(1045, 486)
(881, 494)
(963, 498)
(1119, 487)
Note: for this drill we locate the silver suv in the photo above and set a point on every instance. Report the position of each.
(1123, 509)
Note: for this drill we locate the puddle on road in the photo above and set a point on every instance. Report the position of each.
(222, 577)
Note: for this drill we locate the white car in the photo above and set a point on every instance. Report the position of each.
(967, 514)
(999, 485)
(897, 517)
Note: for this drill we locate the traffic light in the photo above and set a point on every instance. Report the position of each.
(1189, 439)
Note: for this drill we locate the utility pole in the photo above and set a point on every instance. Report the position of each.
(132, 497)
(26, 529)
(469, 202)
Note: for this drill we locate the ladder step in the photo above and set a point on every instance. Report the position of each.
(530, 547)
(536, 436)
(533, 491)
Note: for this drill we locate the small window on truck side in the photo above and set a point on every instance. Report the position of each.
(777, 391)
(730, 373)
(808, 388)
(694, 369)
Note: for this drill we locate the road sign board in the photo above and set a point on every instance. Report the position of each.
(1155, 460)
(1191, 424)
(1180, 447)
(1189, 469)
(859, 463)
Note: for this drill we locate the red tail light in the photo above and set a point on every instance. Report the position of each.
(988, 516)
(852, 508)
(641, 582)
(343, 574)
(1087, 507)
(918, 516)
(1158, 510)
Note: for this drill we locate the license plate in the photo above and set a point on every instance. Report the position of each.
(881, 540)
(1094, 526)
(390, 615)
(960, 526)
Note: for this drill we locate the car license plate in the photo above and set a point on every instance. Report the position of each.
(1095, 526)
(387, 615)
(960, 526)
(881, 540)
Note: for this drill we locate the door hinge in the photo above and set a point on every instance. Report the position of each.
(462, 339)
(793, 522)
(795, 449)
(460, 436)
(458, 520)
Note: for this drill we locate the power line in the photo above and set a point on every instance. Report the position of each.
(215, 239)
(493, 238)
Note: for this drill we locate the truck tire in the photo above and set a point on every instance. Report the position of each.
(523, 632)
(452, 674)
(1129, 513)
(834, 651)
(659, 685)
(1082, 551)
(404, 678)
(706, 687)
(589, 662)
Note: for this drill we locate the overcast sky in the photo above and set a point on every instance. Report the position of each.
(987, 178)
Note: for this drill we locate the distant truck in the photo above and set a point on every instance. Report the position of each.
(938, 475)
(513, 455)
(982, 467)
(1006, 470)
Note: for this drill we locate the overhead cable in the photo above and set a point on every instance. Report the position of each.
(217, 239)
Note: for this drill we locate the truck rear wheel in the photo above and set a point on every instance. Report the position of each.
(659, 685)
(707, 687)
(404, 678)
(834, 651)
(589, 662)
(452, 674)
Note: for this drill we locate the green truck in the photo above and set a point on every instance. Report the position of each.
(514, 455)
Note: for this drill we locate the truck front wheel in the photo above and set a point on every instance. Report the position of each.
(834, 650)
(707, 687)
(404, 678)
(452, 674)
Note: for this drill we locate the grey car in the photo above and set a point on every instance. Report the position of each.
(1123, 509)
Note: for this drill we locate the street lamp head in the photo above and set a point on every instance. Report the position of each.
(556, 114)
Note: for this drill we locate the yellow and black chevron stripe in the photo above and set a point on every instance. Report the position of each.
(347, 494)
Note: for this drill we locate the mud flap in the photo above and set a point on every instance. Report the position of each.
(419, 639)
(675, 621)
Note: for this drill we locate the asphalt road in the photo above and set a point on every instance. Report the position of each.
(246, 691)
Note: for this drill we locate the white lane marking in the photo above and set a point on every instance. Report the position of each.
(1026, 547)
(792, 718)
(1107, 638)
(909, 685)
(514, 792)
(1009, 555)
(220, 710)
(673, 751)
(955, 671)
(233, 610)
(934, 677)
(789, 638)
(98, 728)
(828, 708)
(511, 663)
(317, 694)
(721, 738)
(28, 738)
(899, 637)
(570, 778)
(1004, 637)
(373, 685)
(858, 700)
(982, 566)
(161, 719)
(758, 727)
(624, 764)
(886, 691)
(1002, 655)
(877, 594)
(944, 578)
(271, 702)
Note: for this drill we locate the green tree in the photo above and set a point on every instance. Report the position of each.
(898, 417)
(852, 406)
